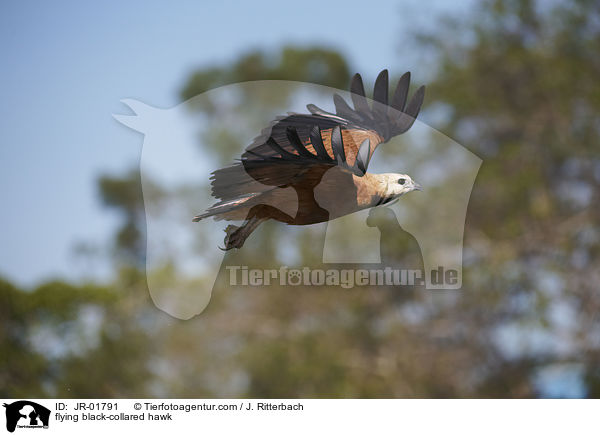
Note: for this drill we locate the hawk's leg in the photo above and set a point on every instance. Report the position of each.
(236, 236)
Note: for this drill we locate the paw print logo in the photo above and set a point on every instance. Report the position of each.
(294, 277)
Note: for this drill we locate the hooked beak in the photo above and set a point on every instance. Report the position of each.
(417, 186)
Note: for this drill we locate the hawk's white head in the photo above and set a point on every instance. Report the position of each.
(399, 184)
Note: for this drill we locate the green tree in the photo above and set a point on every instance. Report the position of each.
(311, 65)
(521, 92)
(53, 335)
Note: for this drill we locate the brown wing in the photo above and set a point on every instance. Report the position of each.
(296, 150)
(287, 163)
(362, 128)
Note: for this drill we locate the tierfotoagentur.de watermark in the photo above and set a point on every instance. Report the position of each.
(418, 237)
(345, 278)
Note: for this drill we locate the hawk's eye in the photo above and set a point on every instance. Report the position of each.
(401, 181)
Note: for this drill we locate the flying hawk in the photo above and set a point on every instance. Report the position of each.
(323, 157)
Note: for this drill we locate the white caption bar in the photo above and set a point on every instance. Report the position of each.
(304, 416)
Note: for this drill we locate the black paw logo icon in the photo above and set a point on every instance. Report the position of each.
(294, 277)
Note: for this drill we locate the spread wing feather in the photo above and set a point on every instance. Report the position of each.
(299, 146)
(387, 119)
(378, 122)
(299, 152)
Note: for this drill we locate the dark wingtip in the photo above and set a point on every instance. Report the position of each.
(343, 109)
(278, 149)
(414, 105)
(356, 85)
(337, 145)
(312, 108)
(401, 92)
(315, 110)
(380, 91)
(296, 142)
(317, 142)
(357, 93)
(409, 115)
(362, 157)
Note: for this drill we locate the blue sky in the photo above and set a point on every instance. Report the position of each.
(66, 66)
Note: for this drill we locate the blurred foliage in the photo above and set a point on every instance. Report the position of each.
(312, 65)
(303, 65)
(519, 84)
(523, 93)
(124, 195)
(61, 340)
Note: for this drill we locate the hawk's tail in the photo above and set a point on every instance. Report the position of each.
(226, 206)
